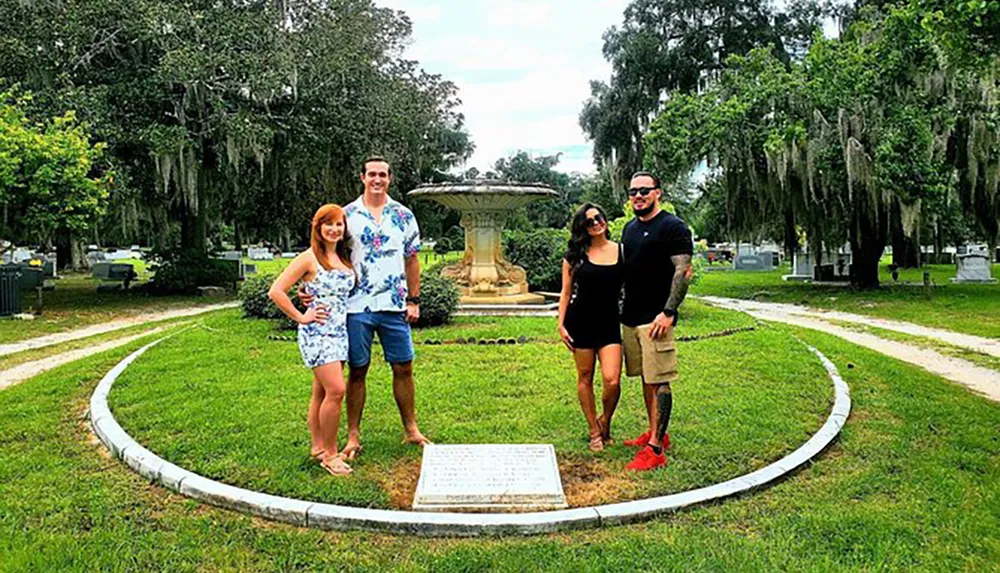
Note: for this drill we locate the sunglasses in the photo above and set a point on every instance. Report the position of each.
(643, 191)
(592, 222)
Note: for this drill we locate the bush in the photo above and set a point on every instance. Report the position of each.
(540, 253)
(256, 304)
(438, 298)
(183, 271)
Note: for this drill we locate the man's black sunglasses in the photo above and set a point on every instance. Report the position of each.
(640, 190)
(592, 222)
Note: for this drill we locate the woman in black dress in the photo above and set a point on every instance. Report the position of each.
(592, 277)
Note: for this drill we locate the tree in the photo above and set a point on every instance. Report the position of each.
(553, 212)
(240, 116)
(852, 143)
(51, 185)
(670, 47)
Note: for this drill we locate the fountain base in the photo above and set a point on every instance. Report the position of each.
(494, 299)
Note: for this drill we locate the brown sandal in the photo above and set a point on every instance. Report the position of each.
(605, 433)
(596, 444)
(336, 466)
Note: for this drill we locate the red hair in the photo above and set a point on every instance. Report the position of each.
(327, 214)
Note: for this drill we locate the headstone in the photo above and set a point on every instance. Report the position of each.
(211, 291)
(289, 255)
(249, 269)
(488, 477)
(753, 262)
(260, 254)
(114, 271)
(232, 255)
(974, 268)
(802, 267)
(94, 257)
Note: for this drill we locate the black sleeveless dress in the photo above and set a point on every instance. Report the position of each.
(592, 318)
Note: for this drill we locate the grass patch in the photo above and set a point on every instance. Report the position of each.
(14, 359)
(913, 483)
(237, 413)
(970, 308)
(75, 303)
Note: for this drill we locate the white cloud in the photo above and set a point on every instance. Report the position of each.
(522, 69)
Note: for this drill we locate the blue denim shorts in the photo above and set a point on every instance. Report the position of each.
(393, 333)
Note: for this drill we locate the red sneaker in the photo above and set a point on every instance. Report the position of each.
(646, 459)
(641, 442)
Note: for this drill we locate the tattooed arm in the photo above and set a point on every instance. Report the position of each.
(681, 282)
(678, 290)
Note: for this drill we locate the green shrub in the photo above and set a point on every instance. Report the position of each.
(438, 298)
(256, 304)
(540, 253)
(184, 270)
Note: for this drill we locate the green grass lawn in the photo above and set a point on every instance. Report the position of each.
(240, 385)
(75, 303)
(913, 482)
(970, 308)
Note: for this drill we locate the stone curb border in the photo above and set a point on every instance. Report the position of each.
(337, 517)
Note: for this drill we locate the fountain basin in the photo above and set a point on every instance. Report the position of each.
(483, 275)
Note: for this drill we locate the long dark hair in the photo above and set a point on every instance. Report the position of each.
(579, 238)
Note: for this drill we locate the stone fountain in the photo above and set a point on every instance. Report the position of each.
(484, 276)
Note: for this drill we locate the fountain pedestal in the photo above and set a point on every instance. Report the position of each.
(483, 276)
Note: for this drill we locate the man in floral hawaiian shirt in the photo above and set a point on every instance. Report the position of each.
(384, 242)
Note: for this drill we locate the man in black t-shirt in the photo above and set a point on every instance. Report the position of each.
(658, 251)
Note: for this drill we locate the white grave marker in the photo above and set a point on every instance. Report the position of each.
(490, 478)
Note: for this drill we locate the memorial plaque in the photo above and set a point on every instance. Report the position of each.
(489, 478)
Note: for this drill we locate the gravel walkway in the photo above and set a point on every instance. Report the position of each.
(982, 380)
(93, 330)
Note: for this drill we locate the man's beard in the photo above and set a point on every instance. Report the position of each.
(644, 212)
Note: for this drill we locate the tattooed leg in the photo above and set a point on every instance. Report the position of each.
(664, 404)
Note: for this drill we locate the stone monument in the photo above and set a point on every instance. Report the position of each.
(489, 478)
(974, 268)
(483, 276)
(802, 267)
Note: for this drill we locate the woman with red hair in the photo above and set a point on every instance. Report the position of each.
(328, 277)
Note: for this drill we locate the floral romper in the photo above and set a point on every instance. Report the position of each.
(325, 343)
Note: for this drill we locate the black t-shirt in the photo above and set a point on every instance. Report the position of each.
(649, 271)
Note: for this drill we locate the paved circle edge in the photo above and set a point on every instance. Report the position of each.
(338, 517)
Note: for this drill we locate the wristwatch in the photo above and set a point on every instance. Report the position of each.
(413, 300)
(671, 313)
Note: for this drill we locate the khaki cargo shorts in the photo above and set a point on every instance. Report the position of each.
(654, 360)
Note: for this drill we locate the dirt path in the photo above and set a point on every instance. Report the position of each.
(982, 380)
(21, 372)
(105, 327)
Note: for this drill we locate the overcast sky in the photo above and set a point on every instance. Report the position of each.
(522, 69)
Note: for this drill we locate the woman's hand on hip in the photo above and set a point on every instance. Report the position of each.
(318, 314)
